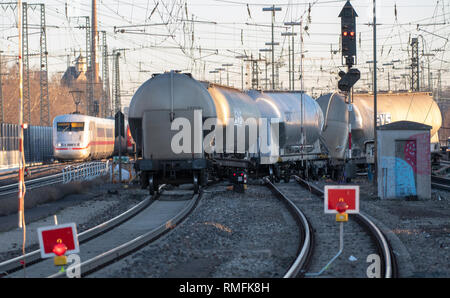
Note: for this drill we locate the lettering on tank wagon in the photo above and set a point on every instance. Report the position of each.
(383, 118)
(213, 142)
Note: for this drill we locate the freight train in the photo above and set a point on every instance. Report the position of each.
(81, 137)
(228, 129)
(185, 128)
(391, 107)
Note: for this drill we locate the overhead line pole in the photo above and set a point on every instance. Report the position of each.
(375, 153)
(273, 9)
(43, 77)
(2, 115)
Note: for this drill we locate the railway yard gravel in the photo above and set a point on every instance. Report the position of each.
(227, 235)
(253, 235)
(93, 206)
(357, 242)
(419, 231)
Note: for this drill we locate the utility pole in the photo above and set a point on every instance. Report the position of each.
(375, 112)
(227, 65)
(292, 56)
(21, 193)
(94, 36)
(90, 73)
(415, 65)
(45, 103)
(26, 65)
(439, 86)
(2, 115)
(116, 82)
(105, 76)
(243, 57)
(273, 9)
(348, 25)
(255, 70)
(219, 70)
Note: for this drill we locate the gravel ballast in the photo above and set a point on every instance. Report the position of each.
(228, 235)
(418, 231)
(93, 206)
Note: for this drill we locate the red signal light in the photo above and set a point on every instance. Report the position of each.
(234, 174)
(60, 248)
(242, 174)
(352, 34)
(345, 33)
(341, 206)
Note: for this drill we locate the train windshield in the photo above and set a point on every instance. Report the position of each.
(70, 126)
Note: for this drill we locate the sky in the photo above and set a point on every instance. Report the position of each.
(198, 36)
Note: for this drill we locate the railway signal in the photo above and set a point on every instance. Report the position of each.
(348, 79)
(338, 196)
(348, 28)
(340, 200)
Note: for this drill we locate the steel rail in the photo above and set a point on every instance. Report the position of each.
(299, 266)
(35, 256)
(31, 184)
(389, 263)
(124, 249)
(440, 182)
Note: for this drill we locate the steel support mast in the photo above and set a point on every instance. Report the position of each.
(43, 76)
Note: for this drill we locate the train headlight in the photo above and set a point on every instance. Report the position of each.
(59, 144)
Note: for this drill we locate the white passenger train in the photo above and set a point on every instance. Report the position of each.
(81, 137)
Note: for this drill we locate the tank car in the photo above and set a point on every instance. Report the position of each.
(291, 151)
(172, 103)
(391, 107)
(224, 128)
(335, 128)
(81, 137)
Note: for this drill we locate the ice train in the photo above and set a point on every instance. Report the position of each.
(81, 137)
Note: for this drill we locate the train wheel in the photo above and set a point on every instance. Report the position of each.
(203, 177)
(271, 175)
(277, 174)
(144, 180)
(196, 183)
(151, 185)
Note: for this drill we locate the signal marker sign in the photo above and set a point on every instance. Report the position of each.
(53, 235)
(341, 193)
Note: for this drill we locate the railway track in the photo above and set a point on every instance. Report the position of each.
(36, 169)
(31, 184)
(440, 182)
(300, 265)
(44, 180)
(165, 255)
(384, 251)
(142, 224)
(31, 258)
(130, 231)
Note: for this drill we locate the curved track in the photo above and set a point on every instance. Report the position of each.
(384, 250)
(440, 182)
(305, 249)
(34, 257)
(141, 231)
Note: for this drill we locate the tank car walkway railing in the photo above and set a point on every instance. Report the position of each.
(86, 171)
